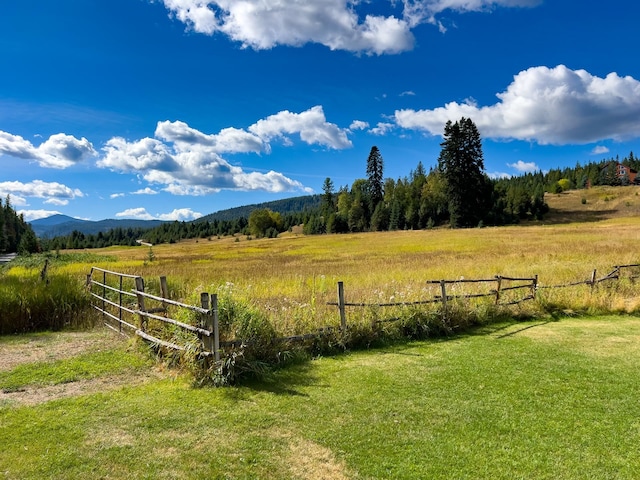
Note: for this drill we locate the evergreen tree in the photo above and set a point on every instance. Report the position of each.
(327, 197)
(462, 165)
(375, 167)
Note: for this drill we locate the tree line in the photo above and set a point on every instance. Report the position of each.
(16, 235)
(456, 192)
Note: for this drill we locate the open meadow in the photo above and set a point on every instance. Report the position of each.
(544, 389)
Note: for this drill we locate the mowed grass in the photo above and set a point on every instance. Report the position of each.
(535, 400)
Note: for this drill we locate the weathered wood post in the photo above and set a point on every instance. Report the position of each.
(216, 327)
(499, 280)
(164, 291)
(343, 316)
(141, 307)
(104, 294)
(534, 287)
(592, 282)
(120, 295)
(211, 343)
(443, 292)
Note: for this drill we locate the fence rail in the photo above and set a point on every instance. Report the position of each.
(114, 309)
(531, 284)
(112, 289)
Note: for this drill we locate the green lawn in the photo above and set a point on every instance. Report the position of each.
(552, 400)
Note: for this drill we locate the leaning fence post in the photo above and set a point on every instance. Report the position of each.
(593, 279)
(141, 307)
(343, 316)
(499, 280)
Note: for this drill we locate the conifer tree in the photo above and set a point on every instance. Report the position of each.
(462, 165)
(375, 168)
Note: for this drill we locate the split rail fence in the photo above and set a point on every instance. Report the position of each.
(124, 304)
(121, 298)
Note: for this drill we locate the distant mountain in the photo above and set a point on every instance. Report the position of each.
(62, 225)
(288, 205)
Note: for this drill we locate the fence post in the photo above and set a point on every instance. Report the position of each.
(534, 287)
(211, 343)
(499, 280)
(593, 279)
(141, 307)
(343, 317)
(443, 292)
(216, 327)
(164, 291)
(104, 294)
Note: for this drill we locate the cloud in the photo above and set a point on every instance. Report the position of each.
(555, 106)
(58, 151)
(137, 213)
(349, 25)
(358, 125)
(264, 24)
(524, 167)
(53, 192)
(408, 93)
(599, 150)
(498, 175)
(31, 215)
(189, 162)
(425, 11)
(382, 128)
(178, 214)
(145, 191)
(311, 125)
(116, 195)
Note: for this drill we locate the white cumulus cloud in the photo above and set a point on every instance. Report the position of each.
(189, 162)
(179, 214)
(599, 150)
(58, 151)
(556, 106)
(349, 25)
(31, 215)
(53, 192)
(524, 167)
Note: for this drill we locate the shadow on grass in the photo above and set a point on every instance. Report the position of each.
(284, 381)
(557, 217)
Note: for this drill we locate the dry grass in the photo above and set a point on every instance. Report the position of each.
(293, 277)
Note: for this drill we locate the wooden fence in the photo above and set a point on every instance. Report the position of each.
(502, 284)
(124, 304)
(122, 300)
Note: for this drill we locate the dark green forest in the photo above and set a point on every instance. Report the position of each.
(454, 192)
(16, 235)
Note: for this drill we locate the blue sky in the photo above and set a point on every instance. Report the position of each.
(173, 109)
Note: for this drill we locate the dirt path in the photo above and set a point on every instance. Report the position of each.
(49, 347)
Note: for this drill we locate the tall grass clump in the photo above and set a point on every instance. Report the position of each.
(29, 304)
(34, 298)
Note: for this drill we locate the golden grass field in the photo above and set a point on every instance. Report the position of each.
(293, 277)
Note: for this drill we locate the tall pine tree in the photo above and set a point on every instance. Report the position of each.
(462, 166)
(375, 167)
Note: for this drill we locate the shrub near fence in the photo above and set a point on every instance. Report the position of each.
(451, 306)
